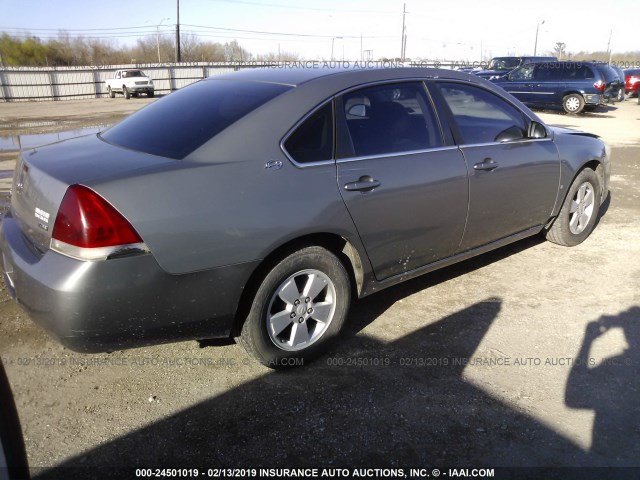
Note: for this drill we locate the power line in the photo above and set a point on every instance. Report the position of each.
(285, 33)
(294, 7)
(73, 29)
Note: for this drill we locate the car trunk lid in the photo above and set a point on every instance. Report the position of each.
(43, 174)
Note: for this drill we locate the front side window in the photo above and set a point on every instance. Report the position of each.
(390, 118)
(481, 116)
(312, 141)
(523, 73)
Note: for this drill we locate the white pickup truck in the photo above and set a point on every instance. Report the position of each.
(129, 82)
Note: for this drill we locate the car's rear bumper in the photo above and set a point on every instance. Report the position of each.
(594, 99)
(117, 303)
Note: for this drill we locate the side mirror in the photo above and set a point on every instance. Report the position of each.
(537, 130)
(510, 134)
(358, 110)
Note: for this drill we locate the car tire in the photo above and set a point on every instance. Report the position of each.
(112, 94)
(579, 212)
(620, 95)
(298, 309)
(126, 92)
(151, 94)
(573, 103)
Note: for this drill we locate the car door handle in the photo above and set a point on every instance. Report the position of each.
(487, 164)
(364, 184)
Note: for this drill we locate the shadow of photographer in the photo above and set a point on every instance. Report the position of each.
(611, 389)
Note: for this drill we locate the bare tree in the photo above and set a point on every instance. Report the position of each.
(233, 52)
(560, 49)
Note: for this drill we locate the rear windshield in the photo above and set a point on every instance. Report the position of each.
(609, 73)
(177, 125)
(632, 71)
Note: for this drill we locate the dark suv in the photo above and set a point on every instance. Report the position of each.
(500, 66)
(572, 85)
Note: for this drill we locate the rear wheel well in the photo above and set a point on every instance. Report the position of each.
(336, 244)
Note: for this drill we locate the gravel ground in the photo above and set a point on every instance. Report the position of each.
(480, 364)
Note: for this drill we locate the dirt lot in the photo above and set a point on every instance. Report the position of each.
(492, 362)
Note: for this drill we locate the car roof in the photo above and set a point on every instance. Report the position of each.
(297, 76)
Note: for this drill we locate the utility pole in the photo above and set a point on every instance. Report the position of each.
(178, 32)
(402, 37)
(609, 45)
(535, 47)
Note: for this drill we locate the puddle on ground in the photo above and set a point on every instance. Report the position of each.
(14, 143)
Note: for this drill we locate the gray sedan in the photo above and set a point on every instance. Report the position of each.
(259, 204)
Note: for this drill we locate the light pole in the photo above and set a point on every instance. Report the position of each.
(535, 47)
(178, 31)
(158, 36)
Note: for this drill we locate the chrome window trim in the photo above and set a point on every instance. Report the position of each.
(295, 127)
(489, 144)
(397, 154)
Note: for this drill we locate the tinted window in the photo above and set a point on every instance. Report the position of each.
(312, 141)
(389, 119)
(178, 124)
(481, 116)
(505, 63)
(548, 72)
(632, 71)
(576, 71)
(608, 73)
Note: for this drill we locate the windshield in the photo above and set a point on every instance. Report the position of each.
(132, 73)
(183, 121)
(504, 63)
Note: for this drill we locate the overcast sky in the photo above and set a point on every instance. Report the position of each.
(444, 29)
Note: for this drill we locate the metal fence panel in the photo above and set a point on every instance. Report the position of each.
(67, 83)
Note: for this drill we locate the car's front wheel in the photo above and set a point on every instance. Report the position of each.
(579, 212)
(298, 309)
(573, 103)
(126, 92)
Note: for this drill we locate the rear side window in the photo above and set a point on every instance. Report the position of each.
(177, 125)
(390, 118)
(312, 141)
(576, 71)
(481, 117)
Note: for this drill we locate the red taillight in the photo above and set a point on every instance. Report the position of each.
(600, 85)
(86, 220)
